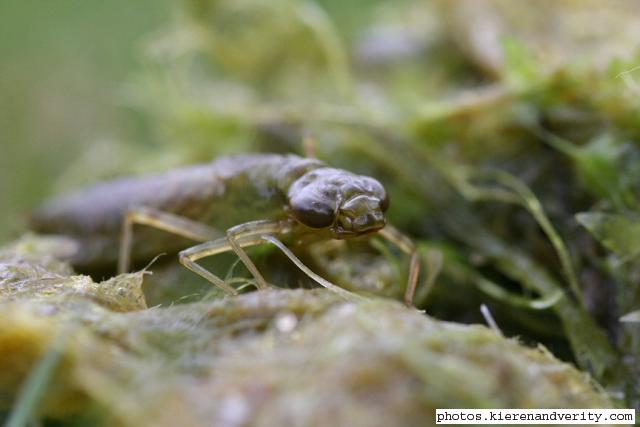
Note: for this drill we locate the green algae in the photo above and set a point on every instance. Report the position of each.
(263, 358)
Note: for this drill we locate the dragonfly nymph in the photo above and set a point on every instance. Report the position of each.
(256, 198)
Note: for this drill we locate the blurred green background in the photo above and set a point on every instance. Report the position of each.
(62, 69)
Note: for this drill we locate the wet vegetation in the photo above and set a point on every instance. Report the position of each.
(509, 146)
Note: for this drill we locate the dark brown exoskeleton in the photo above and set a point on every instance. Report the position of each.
(253, 197)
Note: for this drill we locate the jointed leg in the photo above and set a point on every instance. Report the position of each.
(306, 270)
(248, 234)
(244, 235)
(163, 221)
(188, 258)
(251, 230)
(405, 244)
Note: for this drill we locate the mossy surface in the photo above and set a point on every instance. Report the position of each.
(306, 357)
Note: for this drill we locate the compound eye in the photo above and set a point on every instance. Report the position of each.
(312, 212)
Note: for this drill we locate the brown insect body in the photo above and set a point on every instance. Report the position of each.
(248, 196)
(226, 192)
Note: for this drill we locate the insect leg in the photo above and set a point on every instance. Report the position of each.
(189, 256)
(163, 221)
(315, 277)
(405, 244)
(243, 235)
(254, 229)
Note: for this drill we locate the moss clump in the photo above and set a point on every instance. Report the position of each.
(270, 358)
